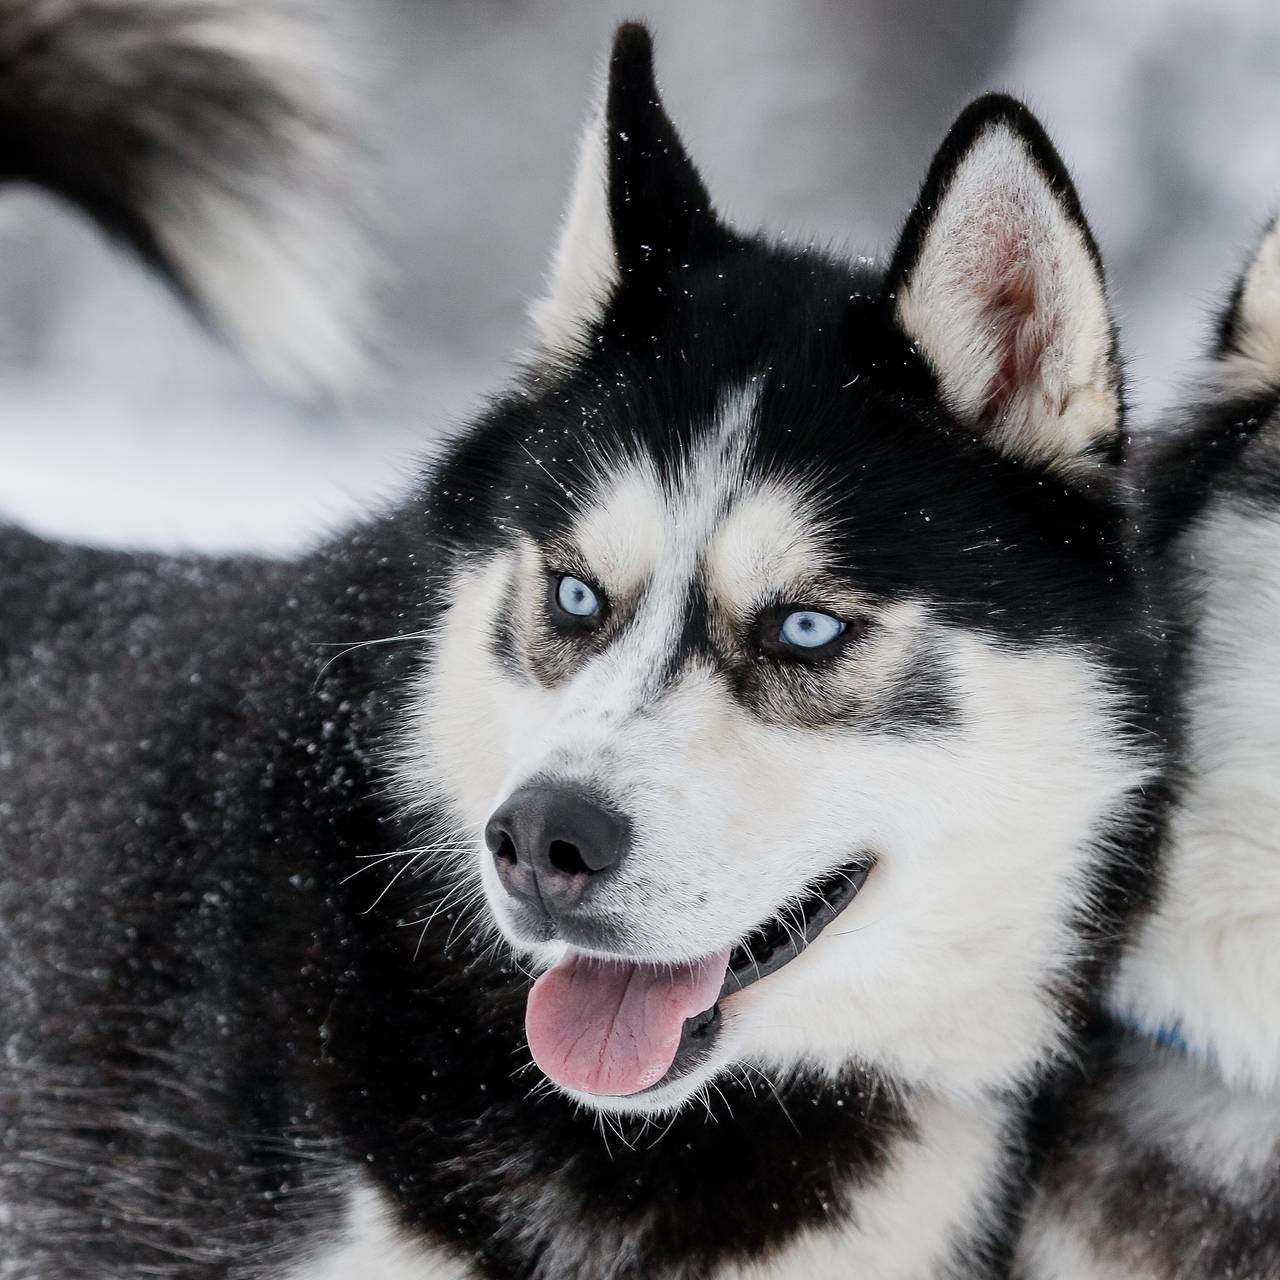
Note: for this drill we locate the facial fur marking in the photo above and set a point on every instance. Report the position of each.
(763, 540)
(918, 699)
(644, 540)
(622, 536)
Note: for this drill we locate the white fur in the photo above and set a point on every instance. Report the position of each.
(930, 1195)
(938, 968)
(765, 538)
(285, 278)
(584, 269)
(1000, 224)
(623, 533)
(1208, 961)
(1254, 364)
(1056, 1248)
(369, 1247)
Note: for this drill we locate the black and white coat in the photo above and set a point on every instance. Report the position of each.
(259, 1020)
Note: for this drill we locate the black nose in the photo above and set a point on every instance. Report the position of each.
(552, 843)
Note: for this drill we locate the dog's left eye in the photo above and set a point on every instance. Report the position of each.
(804, 635)
(808, 629)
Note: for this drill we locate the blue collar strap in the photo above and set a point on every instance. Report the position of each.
(1167, 1036)
(1170, 1038)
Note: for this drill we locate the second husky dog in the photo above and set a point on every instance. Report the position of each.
(771, 666)
(1172, 1169)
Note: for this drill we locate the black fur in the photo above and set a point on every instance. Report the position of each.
(1204, 455)
(661, 212)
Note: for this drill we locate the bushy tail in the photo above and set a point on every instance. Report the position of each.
(214, 136)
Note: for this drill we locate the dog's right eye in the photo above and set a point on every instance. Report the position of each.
(575, 601)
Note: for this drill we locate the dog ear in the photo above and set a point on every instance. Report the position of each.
(639, 214)
(998, 283)
(1248, 343)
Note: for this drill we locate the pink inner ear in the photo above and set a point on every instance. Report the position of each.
(1021, 322)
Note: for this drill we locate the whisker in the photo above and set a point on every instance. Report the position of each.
(845, 933)
(387, 887)
(666, 1129)
(463, 907)
(720, 1092)
(360, 644)
(461, 886)
(777, 1096)
(377, 859)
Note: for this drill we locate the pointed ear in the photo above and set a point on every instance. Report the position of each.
(998, 283)
(638, 215)
(1249, 330)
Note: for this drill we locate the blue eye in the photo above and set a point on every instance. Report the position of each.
(806, 629)
(576, 598)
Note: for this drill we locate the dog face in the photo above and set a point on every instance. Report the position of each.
(778, 673)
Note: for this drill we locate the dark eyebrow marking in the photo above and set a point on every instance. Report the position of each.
(694, 639)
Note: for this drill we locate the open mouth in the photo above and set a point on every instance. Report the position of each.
(617, 1027)
(784, 936)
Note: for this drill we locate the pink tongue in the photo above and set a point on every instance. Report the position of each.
(613, 1027)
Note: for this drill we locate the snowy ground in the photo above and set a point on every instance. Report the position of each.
(121, 422)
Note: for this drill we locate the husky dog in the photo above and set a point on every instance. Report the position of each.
(1172, 1171)
(768, 674)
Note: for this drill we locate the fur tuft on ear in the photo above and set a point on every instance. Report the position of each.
(584, 268)
(1249, 328)
(638, 214)
(998, 282)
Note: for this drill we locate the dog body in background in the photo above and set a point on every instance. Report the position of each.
(1173, 1168)
(770, 666)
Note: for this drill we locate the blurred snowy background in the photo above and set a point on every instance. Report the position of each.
(122, 422)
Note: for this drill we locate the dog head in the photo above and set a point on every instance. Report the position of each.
(781, 672)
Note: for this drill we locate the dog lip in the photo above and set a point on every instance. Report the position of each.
(774, 944)
(591, 933)
(827, 898)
